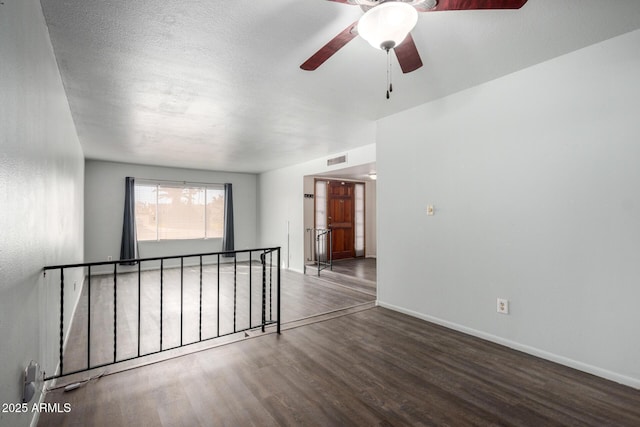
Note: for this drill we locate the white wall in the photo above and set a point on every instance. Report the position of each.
(104, 207)
(535, 178)
(281, 202)
(41, 199)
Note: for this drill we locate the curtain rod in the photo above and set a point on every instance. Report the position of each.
(178, 182)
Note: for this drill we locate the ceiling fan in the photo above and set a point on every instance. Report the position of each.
(387, 25)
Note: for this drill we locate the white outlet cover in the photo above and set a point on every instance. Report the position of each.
(503, 306)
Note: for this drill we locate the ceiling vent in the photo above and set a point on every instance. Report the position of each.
(337, 160)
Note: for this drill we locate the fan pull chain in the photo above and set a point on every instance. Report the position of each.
(390, 76)
(389, 87)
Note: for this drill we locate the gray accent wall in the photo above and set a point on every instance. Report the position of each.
(41, 201)
(535, 179)
(104, 206)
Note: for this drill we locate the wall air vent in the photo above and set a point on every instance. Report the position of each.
(337, 160)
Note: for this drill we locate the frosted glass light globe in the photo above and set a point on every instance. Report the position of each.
(387, 25)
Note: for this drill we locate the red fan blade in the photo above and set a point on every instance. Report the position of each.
(408, 55)
(330, 48)
(475, 4)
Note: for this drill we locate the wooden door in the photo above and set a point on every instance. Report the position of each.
(341, 218)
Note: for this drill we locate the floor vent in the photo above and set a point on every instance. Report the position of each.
(337, 160)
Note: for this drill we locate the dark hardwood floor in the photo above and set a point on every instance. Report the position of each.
(340, 361)
(355, 273)
(361, 268)
(372, 367)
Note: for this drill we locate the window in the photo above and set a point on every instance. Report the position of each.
(321, 204)
(321, 217)
(174, 211)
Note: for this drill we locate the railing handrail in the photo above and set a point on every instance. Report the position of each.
(322, 232)
(60, 372)
(320, 235)
(158, 258)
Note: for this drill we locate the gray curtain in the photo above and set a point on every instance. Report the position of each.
(227, 235)
(129, 245)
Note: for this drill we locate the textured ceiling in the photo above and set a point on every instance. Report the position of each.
(217, 84)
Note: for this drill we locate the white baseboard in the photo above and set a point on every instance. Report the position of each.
(594, 370)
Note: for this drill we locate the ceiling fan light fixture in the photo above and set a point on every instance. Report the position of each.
(387, 25)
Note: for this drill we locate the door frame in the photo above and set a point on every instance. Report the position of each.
(315, 211)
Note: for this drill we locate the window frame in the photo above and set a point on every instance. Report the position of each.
(158, 184)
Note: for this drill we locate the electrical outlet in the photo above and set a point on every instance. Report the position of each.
(109, 258)
(503, 306)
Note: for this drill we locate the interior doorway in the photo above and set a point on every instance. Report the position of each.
(352, 208)
(340, 208)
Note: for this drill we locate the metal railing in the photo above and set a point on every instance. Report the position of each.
(321, 253)
(164, 296)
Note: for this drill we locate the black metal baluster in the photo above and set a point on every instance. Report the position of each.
(250, 268)
(139, 304)
(318, 253)
(89, 318)
(181, 295)
(263, 258)
(161, 291)
(61, 320)
(218, 299)
(278, 290)
(200, 305)
(235, 283)
(270, 285)
(115, 311)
